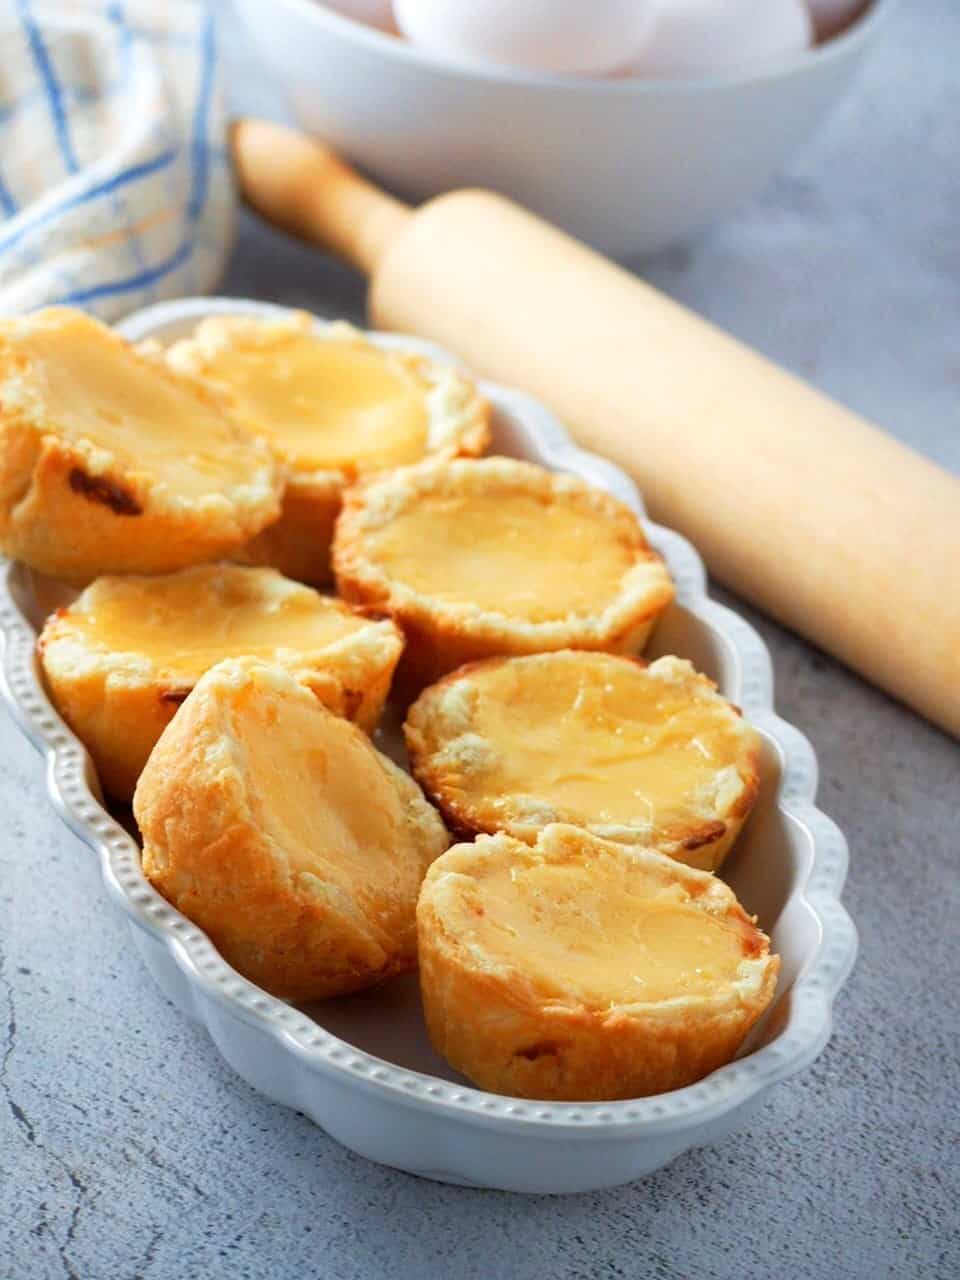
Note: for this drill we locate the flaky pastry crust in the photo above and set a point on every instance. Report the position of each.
(119, 700)
(454, 761)
(505, 1029)
(458, 424)
(443, 634)
(311, 894)
(72, 508)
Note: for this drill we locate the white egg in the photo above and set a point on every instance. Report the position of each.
(831, 16)
(375, 13)
(588, 37)
(706, 37)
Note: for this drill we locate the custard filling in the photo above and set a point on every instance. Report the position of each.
(186, 623)
(93, 388)
(509, 553)
(603, 931)
(320, 792)
(324, 402)
(595, 738)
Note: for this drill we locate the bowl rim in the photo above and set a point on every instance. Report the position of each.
(846, 43)
(72, 787)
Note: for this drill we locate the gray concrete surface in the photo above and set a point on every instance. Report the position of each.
(128, 1149)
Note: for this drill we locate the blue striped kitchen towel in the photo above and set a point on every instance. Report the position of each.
(115, 187)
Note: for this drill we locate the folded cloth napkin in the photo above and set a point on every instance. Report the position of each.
(115, 187)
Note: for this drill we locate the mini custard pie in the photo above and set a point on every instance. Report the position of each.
(475, 559)
(112, 463)
(643, 755)
(335, 407)
(123, 657)
(583, 970)
(278, 828)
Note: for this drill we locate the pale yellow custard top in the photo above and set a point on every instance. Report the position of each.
(604, 928)
(92, 387)
(324, 402)
(597, 738)
(327, 398)
(186, 622)
(505, 551)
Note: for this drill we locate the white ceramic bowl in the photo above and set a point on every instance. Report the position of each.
(627, 165)
(362, 1067)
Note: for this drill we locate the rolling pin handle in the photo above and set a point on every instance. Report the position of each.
(303, 187)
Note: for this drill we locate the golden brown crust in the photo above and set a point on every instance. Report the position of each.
(493, 1024)
(448, 756)
(280, 912)
(118, 701)
(299, 543)
(443, 635)
(72, 509)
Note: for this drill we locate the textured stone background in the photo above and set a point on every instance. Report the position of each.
(128, 1149)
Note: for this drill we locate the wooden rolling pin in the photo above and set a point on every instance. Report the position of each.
(805, 509)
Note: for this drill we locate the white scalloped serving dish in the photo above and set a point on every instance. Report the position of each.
(362, 1067)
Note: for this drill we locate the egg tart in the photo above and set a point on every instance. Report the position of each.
(335, 407)
(584, 970)
(278, 828)
(112, 463)
(649, 755)
(479, 558)
(123, 657)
